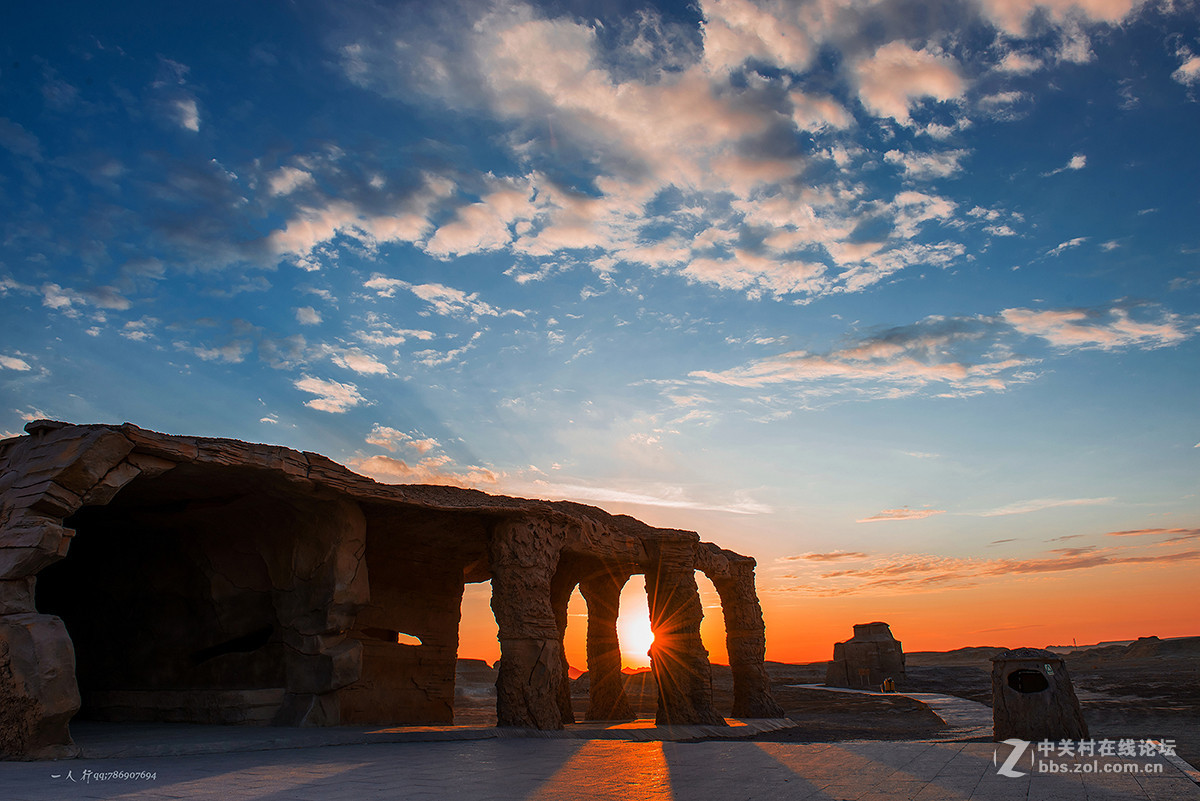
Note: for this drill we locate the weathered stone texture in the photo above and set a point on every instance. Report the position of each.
(867, 658)
(678, 658)
(606, 684)
(1033, 699)
(215, 580)
(523, 558)
(38, 694)
(745, 631)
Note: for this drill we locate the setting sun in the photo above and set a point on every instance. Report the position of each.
(633, 626)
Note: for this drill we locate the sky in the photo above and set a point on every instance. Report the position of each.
(900, 298)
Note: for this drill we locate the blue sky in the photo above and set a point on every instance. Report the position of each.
(874, 284)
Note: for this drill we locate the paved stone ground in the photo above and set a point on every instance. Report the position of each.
(587, 762)
(595, 770)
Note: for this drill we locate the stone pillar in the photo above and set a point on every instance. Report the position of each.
(44, 478)
(678, 658)
(523, 554)
(606, 683)
(320, 582)
(561, 587)
(38, 693)
(746, 641)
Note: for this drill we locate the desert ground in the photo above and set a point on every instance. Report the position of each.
(1149, 688)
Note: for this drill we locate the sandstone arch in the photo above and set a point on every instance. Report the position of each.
(282, 582)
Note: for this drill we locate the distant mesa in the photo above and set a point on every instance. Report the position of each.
(867, 659)
(152, 577)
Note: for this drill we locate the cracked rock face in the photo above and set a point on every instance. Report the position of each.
(145, 576)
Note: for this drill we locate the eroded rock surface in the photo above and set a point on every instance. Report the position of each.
(1033, 699)
(866, 659)
(284, 588)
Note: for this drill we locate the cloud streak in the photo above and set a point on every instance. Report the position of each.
(919, 573)
(954, 356)
(904, 513)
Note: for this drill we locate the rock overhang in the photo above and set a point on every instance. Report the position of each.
(309, 511)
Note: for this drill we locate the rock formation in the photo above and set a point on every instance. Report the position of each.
(867, 658)
(1032, 697)
(145, 576)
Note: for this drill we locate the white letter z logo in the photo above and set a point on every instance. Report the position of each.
(1018, 748)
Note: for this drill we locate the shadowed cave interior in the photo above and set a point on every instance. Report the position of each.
(175, 596)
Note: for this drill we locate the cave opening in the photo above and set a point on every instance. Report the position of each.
(170, 603)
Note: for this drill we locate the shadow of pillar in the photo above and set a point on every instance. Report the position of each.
(606, 684)
(678, 658)
(523, 553)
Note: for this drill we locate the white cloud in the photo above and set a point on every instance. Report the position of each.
(816, 112)
(737, 30)
(679, 135)
(433, 470)
(895, 76)
(357, 360)
(444, 300)
(1188, 73)
(406, 221)
(484, 225)
(1062, 247)
(433, 358)
(1019, 63)
(386, 437)
(955, 355)
(1041, 504)
(903, 513)
(14, 363)
(307, 315)
(332, 396)
(139, 330)
(286, 180)
(672, 497)
(186, 113)
(393, 438)
(926, 166)
(65, 299)
(387, 335)
(999, 99)
(232, 352)
(1014, 16)
(1102, 329)
(1076, 162)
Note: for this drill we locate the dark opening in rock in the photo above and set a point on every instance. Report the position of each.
(1028, 681)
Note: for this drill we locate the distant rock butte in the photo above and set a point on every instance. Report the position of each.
(145, 576)
(867, 658)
